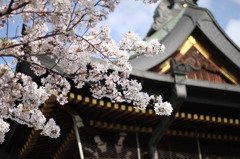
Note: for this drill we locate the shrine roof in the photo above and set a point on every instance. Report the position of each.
(174, 31)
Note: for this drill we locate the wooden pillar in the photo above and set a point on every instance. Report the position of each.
(179, 94)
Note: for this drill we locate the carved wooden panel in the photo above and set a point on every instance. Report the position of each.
(200, 68)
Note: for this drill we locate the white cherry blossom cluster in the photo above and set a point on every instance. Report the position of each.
(56, 85)
(162, 108)
(21, 99)
(51, 130)
(10, 47)
(67, 33)
(4, 128)
(132, 42)
(117, 87)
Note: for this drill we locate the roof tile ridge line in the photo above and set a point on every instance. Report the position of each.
(152, 75)
(134, 55)
(211, 85)
(170, 32)
(167, 22)
(217, 25)
(189, 82)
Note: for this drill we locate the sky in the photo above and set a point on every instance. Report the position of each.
(138, 17)
(135, 16)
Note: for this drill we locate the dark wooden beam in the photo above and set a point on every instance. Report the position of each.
(179, 94)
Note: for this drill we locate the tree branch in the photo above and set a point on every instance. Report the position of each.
(10, 9)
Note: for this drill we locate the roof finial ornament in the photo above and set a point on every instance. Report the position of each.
(164, 12)
(188, 2)
(182, 2)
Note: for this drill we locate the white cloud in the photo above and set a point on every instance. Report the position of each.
(131, 16)
(233, 30)
(236, 1)
(205, 4)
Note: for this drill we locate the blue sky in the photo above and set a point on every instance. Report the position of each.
(137, 17)
(227, 13)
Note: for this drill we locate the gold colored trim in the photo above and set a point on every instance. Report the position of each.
(164, 66)
(192, 42)
(29, 144)
(65, 145)
(75, 99)
(207, 118)
(112, 126)
(202, 135)
(222, 69)
(92, 102)
(185, 5)
(35, 134)
(131, 128)
(183, 50)
(187, 45)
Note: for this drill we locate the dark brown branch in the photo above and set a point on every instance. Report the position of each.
(97, 49)
(10, 9)
(24, 43)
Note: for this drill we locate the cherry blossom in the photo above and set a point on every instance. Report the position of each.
(4, 128)
(67, 32)
(20, 100)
